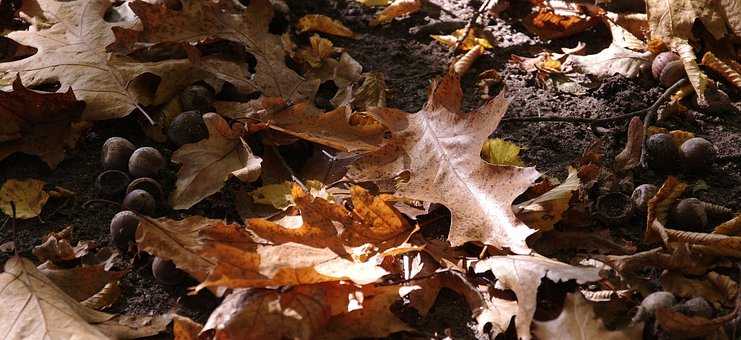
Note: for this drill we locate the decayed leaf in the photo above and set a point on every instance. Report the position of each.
(558, 19)
(38, 124)
(544, 211)
(80, 283)
(72, 51)
(318, 50)
(578, 321)
(630, 157)
(34, 308)
(501, 152)
(522, 274)
(396, 9)
(439, 148)
(207, 164)
(713, 287)
(683, 327)
(199, 20)
(183, 328)
(324, 24)
(303, 120)
(28, 195)
(371, 93)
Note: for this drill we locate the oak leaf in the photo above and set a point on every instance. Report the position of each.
(438, 148)
(522, 274)
(72, 52)
(34, 308)
(207, 164)
(578, 321)
(28, 196)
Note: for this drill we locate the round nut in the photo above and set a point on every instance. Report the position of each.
(662, 154)
(197, 97)
(641, 195)
(147, 184)
(187, 127)
(115, 153)
(660, 61)
(672, 72)
(112, 183)
(146, 162)
(140, 201)
(698, 154)
(689, 214)
(166, 272)
(123, 229)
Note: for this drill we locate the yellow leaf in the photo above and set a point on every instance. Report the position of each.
(320, 49)
(323, 23)
(501, 152)
(396, 9)
(472, 40)
(28, 195)
(279, 195)
(372, 3)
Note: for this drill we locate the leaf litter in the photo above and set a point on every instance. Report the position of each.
(423, 209)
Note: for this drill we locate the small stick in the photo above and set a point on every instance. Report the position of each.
(288, 168)
(15, 229)
(87, 203)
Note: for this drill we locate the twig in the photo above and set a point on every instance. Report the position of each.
(288, 168)
(87, 203)
(15, 229)
(651, 115)
(469, 25)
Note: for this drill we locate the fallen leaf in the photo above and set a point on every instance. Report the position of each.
(28, 195)
(543, 212)
(371, 93)
(714, 287)
(522, 274)
(553, 19)
(682, 326)
(381, 222)
(80, 283)
(34, 308)
(135, 326)
(105, 298)
(371, 3)
(183, 328)
(396, 9)
(438, 147)
(72, 52)
(501, 152)
(207, 164)
(578, 321)
(318, 50)
(279, 195)
(324, 24)
(471, 42)
(630, 157)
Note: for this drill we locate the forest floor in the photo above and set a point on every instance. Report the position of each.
(409, 62)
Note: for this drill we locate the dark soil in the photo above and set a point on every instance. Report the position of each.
(409, 62)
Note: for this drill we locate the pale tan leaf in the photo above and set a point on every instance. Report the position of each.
(207, 164)
(438, 149)
(34, 308)
(544, 211)
(697, 78)
(135, 326)
(631, 154)
(578, 321)
(522, 274)
(105, 298)
(80, 283)
(28, 196)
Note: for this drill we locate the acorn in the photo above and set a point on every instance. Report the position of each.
(662, 154)
(696, 306)
(115, 153)
(147, 184)
(641, 195)
(112, 183)
(689, 214)
(667, 68)
(123, 229)
(197, 97)
(166, 272)
(653, 302)
(188, 127)
(140, 201)
(660, 61)
(146, 162)
(697, 154)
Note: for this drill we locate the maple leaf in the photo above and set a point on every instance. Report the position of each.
(578, 321)
(41, 124)
(207, 164)
(72, 52)
(34, 308)
(439, 146)
(522, 274)
(200, 20)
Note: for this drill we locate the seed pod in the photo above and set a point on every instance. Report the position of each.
(662, 154)
(140, 201)
(146, 162)
(651, 303)
(187, 127)
(112, 183)
(197, 97)
(166, 272)
(123, 229)
(689, 214)
(614, 208)
(115, 153)
(663, 58)
(641, 195)
(698, 154)
(673, 71)
(147, 184)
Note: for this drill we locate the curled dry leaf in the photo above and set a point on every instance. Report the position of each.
(324, 24)
(522, 274)
(28, 196)
(438, 148)
(41, 124)
(105, 298)
(318, 50)
(658, 209)
(183, 328)
(80, 62)
(52, 315)
(543, 212)
(396, 9)
(553, 19)
(80, 283)
(713, 287)
(207, 164)
(683, 327)
(371, 93)
(578, 321)
(630, 157)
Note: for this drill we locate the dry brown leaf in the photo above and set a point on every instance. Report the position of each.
(80, 283)
(72, 51)
(522, 274)
(105, 298)
(28, 196)
(713, 287)
(578, 321)
(379, 221)
(135, 326)
(34, 308)
(438, 148)
(207, 164)
(658, 209)
(681, 326)
(555, 19)
(543, 212)
(396, 9)
(38, 124)
(199, 20)
(681, 260)
(730, 227)
(371, 93)
(472, 40)
(183, 328)
(318, 50)
(630, 157)
(324, 24)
